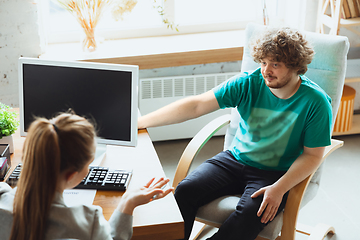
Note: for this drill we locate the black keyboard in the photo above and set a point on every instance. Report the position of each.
(100, 178)
(14, 176)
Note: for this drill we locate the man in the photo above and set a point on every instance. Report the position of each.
(285, 122)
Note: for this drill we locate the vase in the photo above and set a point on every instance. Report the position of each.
(89, 43)
(8, 140)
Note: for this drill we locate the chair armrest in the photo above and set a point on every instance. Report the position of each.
(335, 144)
(196, 144)
(296, 195)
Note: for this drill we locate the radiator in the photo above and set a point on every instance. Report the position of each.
(158, 92)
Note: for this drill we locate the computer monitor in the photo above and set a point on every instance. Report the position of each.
(105, 93)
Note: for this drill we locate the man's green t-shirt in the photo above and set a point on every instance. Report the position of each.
(273, 132)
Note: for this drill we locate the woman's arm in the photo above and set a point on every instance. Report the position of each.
(121, 220)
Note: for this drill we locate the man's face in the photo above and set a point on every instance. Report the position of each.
(276, 74)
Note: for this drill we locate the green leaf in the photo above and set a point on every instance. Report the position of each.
(8, 120)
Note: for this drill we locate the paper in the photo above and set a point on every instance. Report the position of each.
(74, 197)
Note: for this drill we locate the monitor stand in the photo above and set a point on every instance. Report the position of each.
(99, 154)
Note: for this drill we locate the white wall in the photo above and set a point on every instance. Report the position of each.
(18, 37)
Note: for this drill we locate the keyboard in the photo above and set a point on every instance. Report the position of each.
(99, 178)
(102, 178)
(14, 176)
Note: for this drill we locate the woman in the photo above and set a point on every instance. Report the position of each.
(56, 156)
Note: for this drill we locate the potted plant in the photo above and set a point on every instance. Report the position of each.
(8, 125)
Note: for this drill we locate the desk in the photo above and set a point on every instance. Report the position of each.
(159, 219)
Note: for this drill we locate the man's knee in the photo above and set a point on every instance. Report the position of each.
(249, 207)
(184, 191)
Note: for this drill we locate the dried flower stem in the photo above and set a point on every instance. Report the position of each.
(87, 13)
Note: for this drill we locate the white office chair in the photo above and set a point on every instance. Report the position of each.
(328, 71)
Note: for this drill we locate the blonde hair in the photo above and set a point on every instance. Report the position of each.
(284, 45)
(51, 147)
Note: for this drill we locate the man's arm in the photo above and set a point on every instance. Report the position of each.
(303, 166)
(180, 111)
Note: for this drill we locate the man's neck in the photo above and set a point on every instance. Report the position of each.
(288, 90)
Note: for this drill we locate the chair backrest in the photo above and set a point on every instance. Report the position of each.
(327, 69)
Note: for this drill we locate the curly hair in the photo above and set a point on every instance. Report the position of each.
(284, 45)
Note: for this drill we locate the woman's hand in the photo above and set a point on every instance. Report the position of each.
(143, 195)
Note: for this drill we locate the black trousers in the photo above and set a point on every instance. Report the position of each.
(224, 175)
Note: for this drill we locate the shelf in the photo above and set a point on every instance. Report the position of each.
(352, 80)
(329, 21)
(355, 128)
(350, 22)
(329, 14)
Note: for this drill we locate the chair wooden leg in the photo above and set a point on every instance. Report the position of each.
(197, 230)
(320, 231)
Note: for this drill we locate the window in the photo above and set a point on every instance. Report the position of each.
(199, 12)
(191, 16)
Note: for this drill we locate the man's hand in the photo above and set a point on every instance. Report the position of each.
(270, 204)
(302, 167)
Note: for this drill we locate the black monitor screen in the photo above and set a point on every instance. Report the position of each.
(100, 92)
